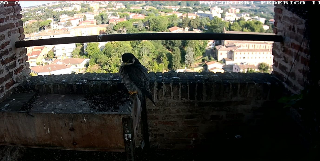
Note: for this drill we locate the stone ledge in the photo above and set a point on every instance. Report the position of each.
(171, 85)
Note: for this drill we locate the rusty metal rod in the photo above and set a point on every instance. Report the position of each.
(149, 36)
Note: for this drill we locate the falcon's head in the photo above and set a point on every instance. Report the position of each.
(128, 59)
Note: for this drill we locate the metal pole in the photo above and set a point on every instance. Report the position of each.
(149, 36)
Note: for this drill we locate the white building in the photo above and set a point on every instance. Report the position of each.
(216, 10)
(208, 14)
(231, 17)
(265, 27)
(244, 68)
(262, 20)
(89, 16)
(77, 7)
(64, 50)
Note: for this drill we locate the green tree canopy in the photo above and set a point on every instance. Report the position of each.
(263, 67)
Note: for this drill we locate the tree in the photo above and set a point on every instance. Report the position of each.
(123, 15)
(223, 15)
(185, 22)
(50, 54)
(92, 49)
(84, 18)
(109, 29)
(171, 44)
(173, 20)
(249, 70)
(263, 67)
(194, 23)
(176, 58)
(158, 24)
(67, 24)
(189, 57)
(216, 25)
(140, 26)
(235, 27)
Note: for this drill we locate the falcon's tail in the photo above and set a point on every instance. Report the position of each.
(149, 95)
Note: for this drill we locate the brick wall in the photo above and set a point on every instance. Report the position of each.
(292, 57)
(194, 109)
(191, 107)
(13, 65)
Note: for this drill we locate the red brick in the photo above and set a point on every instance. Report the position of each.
(13, 17)
(286, 19)
(288, 52)
(275, 63)
(19, 16)
(295, 46)
(4, 52)
(12, 66)
(303, 71)
(292, 75)
(306, 51)
(304, 61)
(9, 84)
(17, 8)
(6, 77)
(5, 44)
(1, 90)
(278, 10)
(2, 37)
(19, 69)
(300, 81)
(21, 37)
(275, 53)
(297, 21)
(19, 24)
(275, 30)
(300, 31)
(14, 31)
(6, 27)
(283, 68)
(8, 60)
(6, 11)
(10, 3)
(21, 29)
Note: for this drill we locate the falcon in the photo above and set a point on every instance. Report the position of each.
(135, 77)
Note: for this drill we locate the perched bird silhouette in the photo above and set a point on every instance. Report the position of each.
(135, 77)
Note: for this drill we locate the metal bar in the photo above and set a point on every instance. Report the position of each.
(149, 36)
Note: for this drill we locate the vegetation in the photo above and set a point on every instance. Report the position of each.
(157, 56)
(263, 67)
(50, 54)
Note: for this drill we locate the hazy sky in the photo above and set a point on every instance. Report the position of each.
(33, 3)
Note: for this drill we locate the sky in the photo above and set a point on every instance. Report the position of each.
(33, 3)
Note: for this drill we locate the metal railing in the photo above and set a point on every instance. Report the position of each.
(149, 36)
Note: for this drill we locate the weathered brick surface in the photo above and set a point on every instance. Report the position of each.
(187, 108)
(13, 70)
(291, 55)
